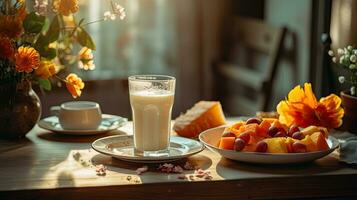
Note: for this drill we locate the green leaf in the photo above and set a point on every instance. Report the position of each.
(49, 53)
(34, 23)
(40, 43)
(51, 35)
(53, 32)
(84, 39)
(46, 25)
(45, 84)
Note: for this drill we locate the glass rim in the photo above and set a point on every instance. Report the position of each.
(151, 78)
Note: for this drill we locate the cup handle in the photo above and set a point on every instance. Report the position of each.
(54, 110)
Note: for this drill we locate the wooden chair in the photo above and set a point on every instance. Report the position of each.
(249, 37)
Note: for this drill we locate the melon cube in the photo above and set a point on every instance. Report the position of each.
(320, 142)
(276, 145)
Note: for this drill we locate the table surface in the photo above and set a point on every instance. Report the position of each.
(46, 165)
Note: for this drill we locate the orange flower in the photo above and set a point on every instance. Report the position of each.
(6, 49)
(46, 69)
(86, 59)
(11, 26)
(27, 59)
(66, 7)
(74, 85)
(21, 12)
(302, 108)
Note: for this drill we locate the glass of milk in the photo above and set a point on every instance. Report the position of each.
(151, 99)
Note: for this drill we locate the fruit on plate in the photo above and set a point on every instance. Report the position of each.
(270, 136)
(227, 143)
(202, 116)
(276, 145)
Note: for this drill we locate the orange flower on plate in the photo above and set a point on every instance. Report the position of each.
(6, 49)
(66, 7)
(27, 59)
(303, 109)
(11, 26)
(74, 85)
(46, 69)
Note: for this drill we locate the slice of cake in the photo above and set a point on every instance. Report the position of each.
(202, 116)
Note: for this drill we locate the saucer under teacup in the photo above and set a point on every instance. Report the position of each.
(122, 147)
(109, 123)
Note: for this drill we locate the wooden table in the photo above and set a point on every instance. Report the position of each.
(52, 166)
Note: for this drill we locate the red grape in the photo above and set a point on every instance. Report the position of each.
(239, 144)
(282, 130)
(299, 147)
(245, 136)
(280, 134)
(261, 147)
(294, 128)
(272, 131)
(298, 135)
(253, 121)
(228, 134)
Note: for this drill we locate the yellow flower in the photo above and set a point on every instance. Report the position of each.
(69, 21)
(66, 7)
(27, 59)
(74, 85)
(302, 108)
(46, 69)
(11, 26)
(86, 59)
(6, 49)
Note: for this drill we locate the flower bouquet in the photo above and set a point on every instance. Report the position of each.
(37, 46)
(346, 58)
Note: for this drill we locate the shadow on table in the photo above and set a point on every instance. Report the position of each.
(232, 169)
(8, 145)
(65, 179)
(56, 137)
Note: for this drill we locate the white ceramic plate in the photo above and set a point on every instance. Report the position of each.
(109, 123)
(121, 147)
(211, 138)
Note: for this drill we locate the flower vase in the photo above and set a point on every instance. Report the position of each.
(20, 109)
(349, 103)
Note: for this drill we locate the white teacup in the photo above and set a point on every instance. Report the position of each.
(78, 115)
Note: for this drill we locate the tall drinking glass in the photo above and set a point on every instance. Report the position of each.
(151, 99)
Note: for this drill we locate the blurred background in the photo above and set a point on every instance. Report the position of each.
(245, 54)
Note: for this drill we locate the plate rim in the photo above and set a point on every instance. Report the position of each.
(147, 159)
(335, 144)
(80, 132)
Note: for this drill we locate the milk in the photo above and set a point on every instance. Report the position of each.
(152, 119)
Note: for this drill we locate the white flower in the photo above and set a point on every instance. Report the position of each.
(330, 52)
(334, 59)
(353, 90)
(89, 65)
(341, 59)
(355, 52)
(346, 51)
(109, 16)
(341, 79)
(352, 66)
(85, 57)
(340, 51)
(349, 47)
(119, 11)
(353, 58)
(40, 7)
